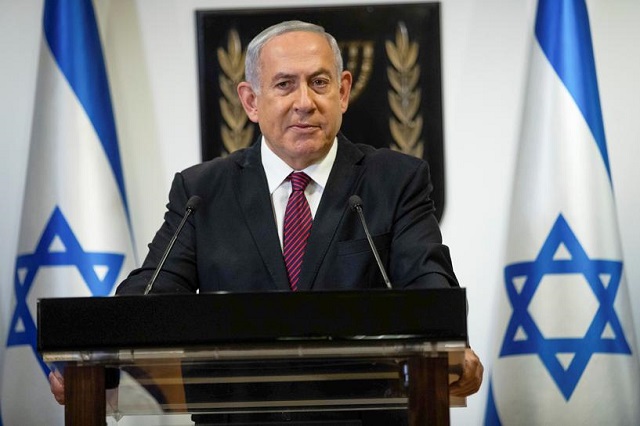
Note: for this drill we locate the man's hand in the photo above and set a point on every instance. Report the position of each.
(471, 378)
(56, 382)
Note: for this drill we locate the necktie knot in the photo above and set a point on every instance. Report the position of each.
(299, 181)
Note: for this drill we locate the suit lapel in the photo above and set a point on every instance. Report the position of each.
(255, 202)
(333, 205)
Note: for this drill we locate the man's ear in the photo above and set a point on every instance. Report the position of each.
(249, 100)
(345, 90)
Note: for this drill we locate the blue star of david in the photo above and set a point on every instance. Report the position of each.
(22, 330)
(548, 348)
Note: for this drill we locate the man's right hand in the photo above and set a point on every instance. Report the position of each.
(56, 382)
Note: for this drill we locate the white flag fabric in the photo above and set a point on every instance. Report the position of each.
(567, 353)
(75, 237)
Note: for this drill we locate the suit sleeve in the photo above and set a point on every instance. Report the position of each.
(418, 258)
(179, 274)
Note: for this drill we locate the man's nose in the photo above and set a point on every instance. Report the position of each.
(304, 100)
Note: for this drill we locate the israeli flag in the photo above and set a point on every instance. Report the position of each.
(75, 237)
(566, 353)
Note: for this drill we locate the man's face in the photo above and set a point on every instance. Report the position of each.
(302, 98)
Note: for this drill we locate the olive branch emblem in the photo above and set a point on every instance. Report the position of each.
(404, 96)
(235, 132)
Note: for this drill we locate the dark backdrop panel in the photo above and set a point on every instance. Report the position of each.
(392, 50)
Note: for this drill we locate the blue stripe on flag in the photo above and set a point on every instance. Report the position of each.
(491, 418)
(72, 34)
(562, 29)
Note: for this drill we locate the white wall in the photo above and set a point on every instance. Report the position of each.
(150, 45)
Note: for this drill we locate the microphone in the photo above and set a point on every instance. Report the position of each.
(192, 206)
(355, 203)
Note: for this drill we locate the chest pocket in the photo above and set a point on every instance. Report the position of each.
(356, 263)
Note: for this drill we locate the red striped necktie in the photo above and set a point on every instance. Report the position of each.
(297, 226)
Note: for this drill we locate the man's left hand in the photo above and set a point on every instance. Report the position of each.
(471, 378)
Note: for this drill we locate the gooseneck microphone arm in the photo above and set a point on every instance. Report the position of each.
(192, 206)
(355, 203)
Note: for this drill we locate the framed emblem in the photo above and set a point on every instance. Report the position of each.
(393, 52)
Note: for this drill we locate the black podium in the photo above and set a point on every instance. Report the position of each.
(257, 353)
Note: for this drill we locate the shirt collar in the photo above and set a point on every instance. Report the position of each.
(277, 170)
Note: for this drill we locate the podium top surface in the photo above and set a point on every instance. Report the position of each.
(203, 320)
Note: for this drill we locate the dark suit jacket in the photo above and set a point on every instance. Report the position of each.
(231, 242)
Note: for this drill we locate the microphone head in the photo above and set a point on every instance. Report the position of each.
(194, 203)
(355, 202)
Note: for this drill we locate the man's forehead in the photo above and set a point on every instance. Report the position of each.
(293, 41)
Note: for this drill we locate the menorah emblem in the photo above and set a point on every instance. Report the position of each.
(359, 61)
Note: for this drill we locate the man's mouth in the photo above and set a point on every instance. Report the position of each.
(304, 127)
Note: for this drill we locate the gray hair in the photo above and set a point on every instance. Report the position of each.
(252, 60)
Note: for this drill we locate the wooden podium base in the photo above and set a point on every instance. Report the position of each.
(84, 394)
(428, 391)
(428, 399)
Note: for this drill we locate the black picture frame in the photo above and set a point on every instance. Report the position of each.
(366, 33)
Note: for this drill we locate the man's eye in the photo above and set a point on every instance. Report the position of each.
(283, 84)
(320, 83)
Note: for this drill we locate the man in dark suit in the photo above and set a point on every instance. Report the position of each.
(232, 242)
(240, 238)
